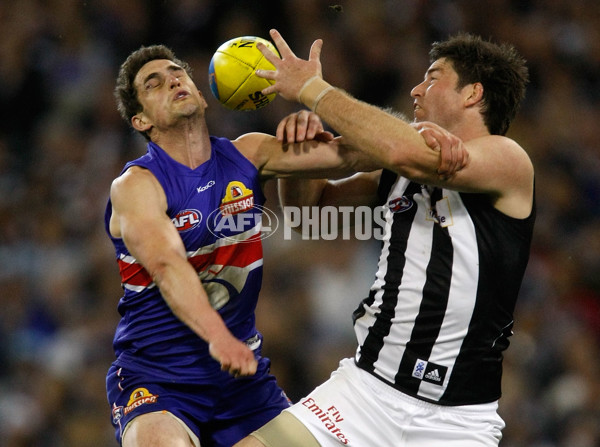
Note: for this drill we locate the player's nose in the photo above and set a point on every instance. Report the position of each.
(417, 90)
(174, 81)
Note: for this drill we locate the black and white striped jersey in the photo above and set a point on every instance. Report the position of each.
(440, 311)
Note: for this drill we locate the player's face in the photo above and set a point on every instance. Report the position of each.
(166, 92)
(437, 98)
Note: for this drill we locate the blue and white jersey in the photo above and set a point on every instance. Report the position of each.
(217, 210)
(440, 311)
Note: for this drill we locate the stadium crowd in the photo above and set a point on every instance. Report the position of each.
(62, 142)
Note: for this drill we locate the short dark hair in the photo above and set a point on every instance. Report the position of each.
(498, 67)
(125, 92)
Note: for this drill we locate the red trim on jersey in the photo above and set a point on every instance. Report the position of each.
(134, 274)
(240, 254)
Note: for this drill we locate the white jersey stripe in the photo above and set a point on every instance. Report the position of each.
(461, 299)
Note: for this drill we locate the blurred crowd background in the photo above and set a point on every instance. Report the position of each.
(62, 142)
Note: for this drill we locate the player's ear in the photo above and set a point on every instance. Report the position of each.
(202, 98)
(475, 94)
(140, 122)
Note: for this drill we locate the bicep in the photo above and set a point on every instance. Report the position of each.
(139, 206)
(497, 166)
(500, 168)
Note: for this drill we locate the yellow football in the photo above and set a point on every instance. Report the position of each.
(231, 74)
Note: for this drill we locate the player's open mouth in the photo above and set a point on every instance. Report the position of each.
(181, 94)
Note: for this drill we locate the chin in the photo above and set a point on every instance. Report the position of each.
(190, 110)
(419, 116)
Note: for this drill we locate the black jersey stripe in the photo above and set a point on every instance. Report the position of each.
(386, 182)
(395, 265)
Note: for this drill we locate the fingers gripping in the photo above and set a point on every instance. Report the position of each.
(453, 155)
(301, 126)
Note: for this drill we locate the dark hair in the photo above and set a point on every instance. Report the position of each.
(125, 92)
(498, 67)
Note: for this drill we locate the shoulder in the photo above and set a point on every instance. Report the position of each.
(509, 157)
(496, 159)
(500, 146)
(132, 176)
(256, 147)
(500, 167)
(135, 182)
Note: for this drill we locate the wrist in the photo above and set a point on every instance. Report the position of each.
(313, 91)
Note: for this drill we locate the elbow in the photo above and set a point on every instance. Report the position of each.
(159, 272)
(163, 266)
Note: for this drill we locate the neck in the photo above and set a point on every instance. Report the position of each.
(469, 128)
(470, 133)
(188, 142)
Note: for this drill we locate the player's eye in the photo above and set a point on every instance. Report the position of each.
(151, 84)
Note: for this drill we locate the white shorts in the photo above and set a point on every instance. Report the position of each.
(354, 408)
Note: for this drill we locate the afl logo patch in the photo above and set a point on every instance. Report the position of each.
(400, 204)
(187, 219)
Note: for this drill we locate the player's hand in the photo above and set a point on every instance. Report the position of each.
(234, 356)
(291, 72)
(302, 126)
(453, 153)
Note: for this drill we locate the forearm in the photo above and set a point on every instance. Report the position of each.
(305, 159)
(390, 140)
(183, 292)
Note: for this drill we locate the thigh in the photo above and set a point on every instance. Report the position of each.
(284, 430)
(132, 396)
(159, 429)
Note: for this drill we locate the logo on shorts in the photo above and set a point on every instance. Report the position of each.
(429, 372)
(330, 417)
(117, 413)
(139, 397)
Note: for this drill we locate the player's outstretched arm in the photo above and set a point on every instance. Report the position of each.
(386, 138)
(139, 217)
